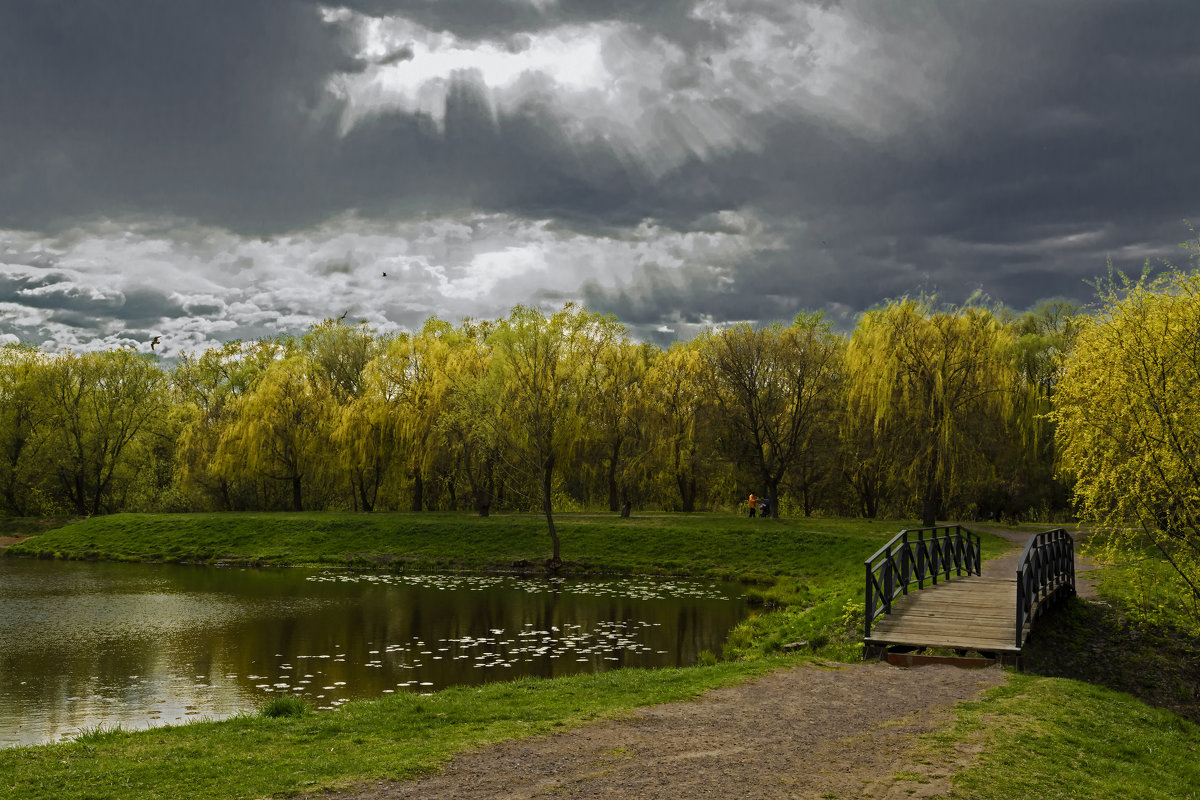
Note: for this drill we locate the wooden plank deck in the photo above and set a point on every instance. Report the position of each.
(968, 613)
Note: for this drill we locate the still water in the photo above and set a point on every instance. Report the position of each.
(84, 645)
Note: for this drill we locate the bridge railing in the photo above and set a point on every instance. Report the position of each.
(917, 556)
(1046, 569)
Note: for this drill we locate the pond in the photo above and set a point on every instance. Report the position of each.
(84, 645)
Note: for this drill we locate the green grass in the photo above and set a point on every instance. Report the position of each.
(696, 544)
(398, 737)
(1057, 738)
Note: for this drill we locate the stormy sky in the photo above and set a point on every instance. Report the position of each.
(207, 170)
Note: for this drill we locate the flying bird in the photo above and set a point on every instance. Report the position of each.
(153, 342)
(343, 316)
(385, 274)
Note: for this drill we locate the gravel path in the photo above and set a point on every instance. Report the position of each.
(845, 731)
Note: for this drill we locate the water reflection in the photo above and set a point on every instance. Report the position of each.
(83, 645)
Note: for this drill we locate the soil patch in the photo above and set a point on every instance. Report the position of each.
(807, 731)
(16, 529)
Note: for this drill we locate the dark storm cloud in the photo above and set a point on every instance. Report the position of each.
(520, 162)
(61, 294)
(1009, 147)
(218, 112)
(1061, 137)
(207, 109)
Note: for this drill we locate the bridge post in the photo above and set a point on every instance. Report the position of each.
(869, 606)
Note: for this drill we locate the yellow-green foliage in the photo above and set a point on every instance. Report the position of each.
(940, 385)
(1128, 415)
(505, 414)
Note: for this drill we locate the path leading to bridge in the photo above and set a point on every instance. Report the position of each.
(1005, 564)
(845, 731)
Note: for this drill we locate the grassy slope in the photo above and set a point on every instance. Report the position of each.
(1054, 738)
(699, 544)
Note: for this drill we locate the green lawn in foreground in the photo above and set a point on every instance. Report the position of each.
(396, 737)
(1053, 738)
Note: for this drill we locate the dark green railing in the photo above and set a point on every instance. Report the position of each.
(1045, 571)
(917, 556)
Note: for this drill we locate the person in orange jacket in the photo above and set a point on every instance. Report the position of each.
(752, 503)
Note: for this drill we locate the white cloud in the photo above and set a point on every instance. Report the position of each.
(195, 285)
(644, 94)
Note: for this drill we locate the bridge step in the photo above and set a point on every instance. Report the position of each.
(918, 660)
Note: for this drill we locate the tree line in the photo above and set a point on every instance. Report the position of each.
(920, 411)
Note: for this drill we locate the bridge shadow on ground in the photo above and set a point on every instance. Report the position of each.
(1095, 643)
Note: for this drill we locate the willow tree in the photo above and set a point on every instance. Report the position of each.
(24, 421)
(280, 430)
(206, 389)
(406, 387)
(614, 416)
(680, 410)
(337, 355)
(542, 370)
(469, 407)
(940, 383)
(1045, 335)
(1128, 415)
(774, 388)
(102, 406)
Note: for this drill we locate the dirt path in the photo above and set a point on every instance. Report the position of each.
(801, 732)
(6, 541)
(1006, 564)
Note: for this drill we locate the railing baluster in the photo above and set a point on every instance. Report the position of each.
(1046, 567)
(905, 560)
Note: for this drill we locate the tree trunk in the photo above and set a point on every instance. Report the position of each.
(613, 457)
(418, 491)
(296, 493)
(773, 497)
(870, 504)
(929, 504)
(687, 493)
(547, 484)
(362, 496)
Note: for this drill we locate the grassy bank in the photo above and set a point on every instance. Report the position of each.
(685, 544)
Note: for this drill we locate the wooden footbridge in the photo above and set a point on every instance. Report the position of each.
(930, 588)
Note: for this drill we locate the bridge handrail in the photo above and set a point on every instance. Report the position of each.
(904, 561)
(1046, 567)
